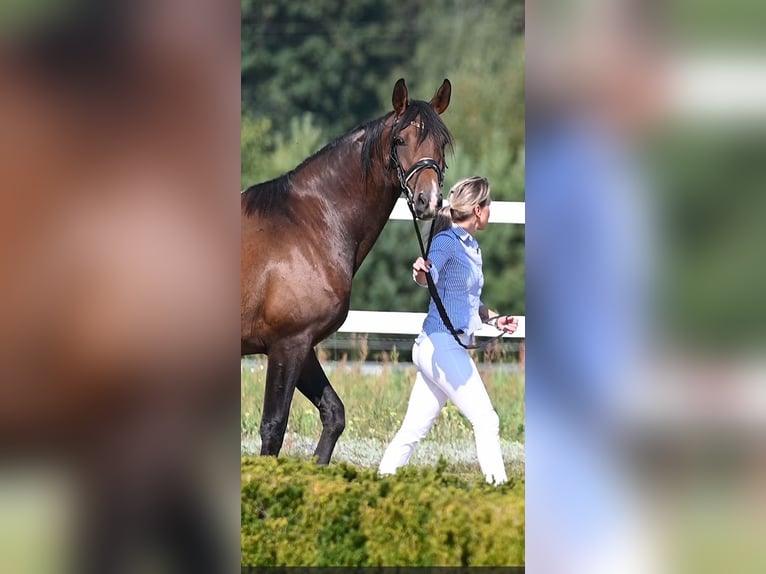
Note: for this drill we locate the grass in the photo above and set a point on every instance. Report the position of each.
(375, 405)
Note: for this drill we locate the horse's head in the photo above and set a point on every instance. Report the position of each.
(418, 141)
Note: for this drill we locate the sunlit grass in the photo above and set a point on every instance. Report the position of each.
(375, 406)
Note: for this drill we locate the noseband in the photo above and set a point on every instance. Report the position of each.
(418, 166)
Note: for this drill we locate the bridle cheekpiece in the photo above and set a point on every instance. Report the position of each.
(418, 166)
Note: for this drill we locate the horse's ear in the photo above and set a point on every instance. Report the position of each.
(440, 101)
(399, 97)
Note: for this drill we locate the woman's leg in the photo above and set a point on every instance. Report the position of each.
(426, 402)
(453, 370)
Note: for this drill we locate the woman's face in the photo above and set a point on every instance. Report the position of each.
(483, 215)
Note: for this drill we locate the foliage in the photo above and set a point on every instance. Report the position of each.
(327, 57)
(283, 150)
(297, 513)
(256, 143)
(479, 46)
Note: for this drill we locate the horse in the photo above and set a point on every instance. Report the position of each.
(305, 234)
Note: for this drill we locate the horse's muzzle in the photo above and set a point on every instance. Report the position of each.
(425, 206)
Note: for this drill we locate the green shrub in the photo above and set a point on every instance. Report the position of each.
(297, 513)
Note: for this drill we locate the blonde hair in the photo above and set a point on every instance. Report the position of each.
(463, 197)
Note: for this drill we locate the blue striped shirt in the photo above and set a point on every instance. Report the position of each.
(457, 273)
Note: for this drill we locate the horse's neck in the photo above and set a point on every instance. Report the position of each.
(357, 210)
(377, 217)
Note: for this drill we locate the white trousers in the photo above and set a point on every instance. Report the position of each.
(446, 371)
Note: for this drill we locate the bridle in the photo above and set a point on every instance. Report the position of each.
(404, 178)
(417, 167)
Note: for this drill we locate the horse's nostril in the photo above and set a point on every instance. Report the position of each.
(439, 201)
(422, 199)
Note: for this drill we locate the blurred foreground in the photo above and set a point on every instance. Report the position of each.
(646, 402)
(118, 286)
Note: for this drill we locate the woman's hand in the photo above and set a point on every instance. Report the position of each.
(507, 324)
(419, 269)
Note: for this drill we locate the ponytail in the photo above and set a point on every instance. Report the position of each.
(442, 221)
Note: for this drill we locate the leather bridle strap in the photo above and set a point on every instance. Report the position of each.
(432, 286)
(418, 166)
(435, 294)
(404, 178)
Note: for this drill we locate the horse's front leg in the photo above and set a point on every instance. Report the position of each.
(313, 383)
(285, 362)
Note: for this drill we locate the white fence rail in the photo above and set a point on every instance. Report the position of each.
(394, 322)
(502, 211)
(398, 323)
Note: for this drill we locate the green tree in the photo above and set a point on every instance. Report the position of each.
(266, 155)
(255, 149)
(327, 57)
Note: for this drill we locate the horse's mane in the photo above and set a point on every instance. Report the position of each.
(272, 195)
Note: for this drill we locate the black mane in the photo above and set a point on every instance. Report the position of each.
(266, 197)
(272, 195)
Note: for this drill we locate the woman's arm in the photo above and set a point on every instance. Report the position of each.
(419, 269)
(504, 323)
(485, 313)
(441, 250)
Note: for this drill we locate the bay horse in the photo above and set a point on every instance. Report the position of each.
(305, 234)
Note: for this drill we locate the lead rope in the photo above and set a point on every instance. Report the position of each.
(435, 295)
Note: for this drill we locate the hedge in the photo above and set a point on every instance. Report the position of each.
(297, 513)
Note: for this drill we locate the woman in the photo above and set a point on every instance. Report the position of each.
(445, 369)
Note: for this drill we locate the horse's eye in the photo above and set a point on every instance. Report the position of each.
(399, 141)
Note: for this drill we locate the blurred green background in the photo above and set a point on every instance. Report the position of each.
(312, 71)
